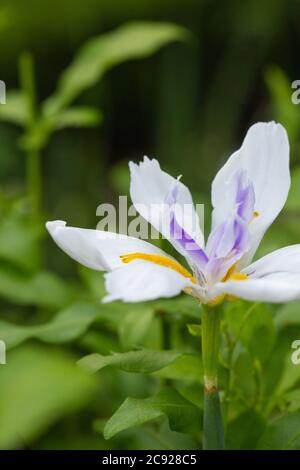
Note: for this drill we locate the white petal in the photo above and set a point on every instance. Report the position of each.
(141, 280)
(97, 249)
(283, 260)
(149, 190)
(273, 278)
(275, 288)
(265, 156)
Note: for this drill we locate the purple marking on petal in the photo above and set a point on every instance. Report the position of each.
(172, 195)
(187, 243)
(245, 197)
(225, 246)
(230, 239)
(222, 240)
(217, 268)
(242, 242)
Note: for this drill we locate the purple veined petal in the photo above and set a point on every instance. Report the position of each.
(232, 233)
(228, 241)
(191, 249)
(172, 196)
(149, 190)
(221, 240)
(226, 237)
(242, 239)
(185, 242)
(226, 245)
(217, 268)
(264, 155)
(245, 197)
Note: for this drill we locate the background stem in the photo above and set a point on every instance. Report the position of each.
(34, 182)
(33, 164)
(213, 434)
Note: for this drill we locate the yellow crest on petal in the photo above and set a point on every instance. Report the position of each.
(161, 261)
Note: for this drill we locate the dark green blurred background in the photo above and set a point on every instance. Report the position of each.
(189, 105)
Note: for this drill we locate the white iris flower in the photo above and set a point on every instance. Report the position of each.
(247, 195)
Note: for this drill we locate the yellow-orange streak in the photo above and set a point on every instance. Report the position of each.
(230, 276)
(229, 273)
(237, 277)
(161, 261)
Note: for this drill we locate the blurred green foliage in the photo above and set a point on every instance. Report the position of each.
(69, 68)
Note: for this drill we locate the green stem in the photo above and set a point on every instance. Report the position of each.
(213, 435)
(34, 182)
(33, 167)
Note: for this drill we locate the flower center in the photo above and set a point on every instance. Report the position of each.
(161, 261)
(237, 277)
(232, 275)
(229, 277)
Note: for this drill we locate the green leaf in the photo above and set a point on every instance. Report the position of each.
(14, 335)
(130, 41)
(100, 342)
(290, 374)
(244, 431)
(236, 314)
(116, 312)
(282, 434)
(285, 111)
(43, 289)
(69, 324)
(94, 282)
(143, 361)
(279, 373)
(243, 382)
(38, 387)
(18, 242)
(194, 330)
(80, 116)
(288, 315)
(186, 367)
(292, 400)
(253, 325)
(37, 137)
(183, 415)
(134, 326)
(182, 306)
(258, 333)
(14, 110)
(66, 326)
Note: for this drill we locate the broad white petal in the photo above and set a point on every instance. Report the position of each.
(285, 259)
(141, 280)
(273, 278)
(264, 155)
(97, 249)
(276, 288)
(150, 189)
